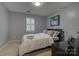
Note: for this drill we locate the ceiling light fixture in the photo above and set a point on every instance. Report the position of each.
(37, 4)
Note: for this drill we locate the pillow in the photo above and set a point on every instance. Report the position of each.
(56, 33)
(50, 33)
(45, 31)
(56, 38)
(30, 37)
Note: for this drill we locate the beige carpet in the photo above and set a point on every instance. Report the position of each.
(11, 49)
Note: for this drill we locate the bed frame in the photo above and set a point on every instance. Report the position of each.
(28, 54)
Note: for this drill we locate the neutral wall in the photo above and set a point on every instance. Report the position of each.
(17, 24)
(69, 20)
(3, 24)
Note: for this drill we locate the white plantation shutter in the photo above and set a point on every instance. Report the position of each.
(30, 24)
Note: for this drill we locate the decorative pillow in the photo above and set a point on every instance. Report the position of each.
(50, 33)
(30, 37)
(56, 33)
(45, 31)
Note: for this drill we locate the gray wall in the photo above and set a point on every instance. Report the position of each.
(3, 24)
(17, 26)
(69, 20)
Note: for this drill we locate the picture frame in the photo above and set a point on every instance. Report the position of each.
(55, 20)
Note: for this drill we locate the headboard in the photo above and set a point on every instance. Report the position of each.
(61, 34)
(55, 29)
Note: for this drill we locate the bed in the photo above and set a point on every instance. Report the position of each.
(31, 42)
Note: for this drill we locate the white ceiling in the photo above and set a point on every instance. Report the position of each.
(45, 10)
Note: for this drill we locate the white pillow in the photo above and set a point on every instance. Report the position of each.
(55, 38)
(45, 31)
(56, 33)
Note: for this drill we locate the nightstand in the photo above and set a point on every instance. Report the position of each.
(56, 41)
(56, 50)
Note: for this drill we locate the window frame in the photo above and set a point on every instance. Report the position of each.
(30, 24)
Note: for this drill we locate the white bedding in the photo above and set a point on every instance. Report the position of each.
(39, 40)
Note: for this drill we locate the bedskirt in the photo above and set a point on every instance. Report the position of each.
(34, 44)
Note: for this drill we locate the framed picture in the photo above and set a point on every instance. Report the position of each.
(55, 20)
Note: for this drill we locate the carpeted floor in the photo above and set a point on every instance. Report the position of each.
(11, 49)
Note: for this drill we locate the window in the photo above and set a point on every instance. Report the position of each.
(30, 24)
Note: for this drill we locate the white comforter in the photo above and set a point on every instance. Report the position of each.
(40, 40)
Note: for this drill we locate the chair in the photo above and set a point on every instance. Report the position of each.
(68, 46)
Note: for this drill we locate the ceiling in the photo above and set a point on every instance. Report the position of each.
(45, 10)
